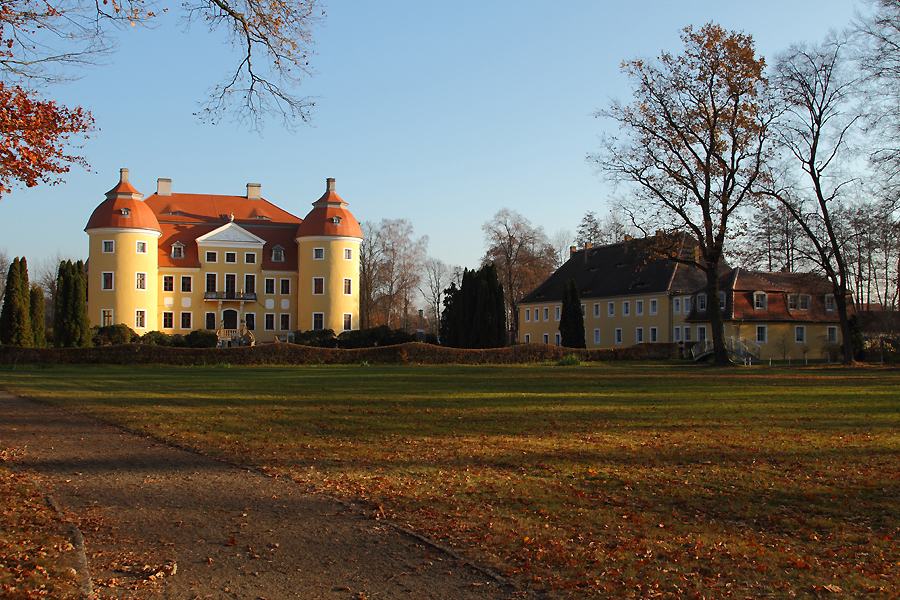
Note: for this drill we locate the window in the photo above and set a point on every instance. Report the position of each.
(528, 315)
(210, 282)
(211, 257)
(348, 253)
(701, 333)
(270, 285)
(168, 320)
(168, 283)
(653, 337)
(125, 212)
(546, 338)
(639, 335)
(618, 336)
(109, 246)
(804, 301)
(286, 287)
(285, 322)
(186, 321)
(701, 302)
(653, 307)
(140, 281)
(186, 283)
(722, 300)
(140, 319)
(277, 254)
(761, 331)
(611, 309)
(527, 338)
(250, 321)
(231, 257)
(348, 321)
(318, 285)
(676, 306)
(231, 282)
(107, 317)
(556, 313)
(210, 320)
(250, 258)
(626, 308)
(318, 253)
(107, 281)
(348, 287)
(639, 307)
(830, 304)
(318, 321)
(687, 334)
(177, 250)
(596, 336)
(676, 337)
(140, 247)
(686, 305)
(556, 339)
(760, 300)
(582, 311)
(270, 322)
(596, 309)
(800, 334)
(546, 314)
(831, 335)
(249, 284)
(793, 302)
(537, 316)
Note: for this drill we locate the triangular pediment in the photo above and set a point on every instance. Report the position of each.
(227, 234)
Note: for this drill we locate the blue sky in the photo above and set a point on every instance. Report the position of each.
(440, 113)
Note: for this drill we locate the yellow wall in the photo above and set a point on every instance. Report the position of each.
(333, 268)
(124, 262)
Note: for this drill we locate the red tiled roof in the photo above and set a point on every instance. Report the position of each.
(110, 212)
(321, 219)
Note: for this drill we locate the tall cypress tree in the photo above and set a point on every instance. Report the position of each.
(61, 329)
(81, 323)
(8, 300)
(38, 325)
(475, 315)
(15, 320)
(571, 321)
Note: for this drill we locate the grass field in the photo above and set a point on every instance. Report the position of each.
(599, 480)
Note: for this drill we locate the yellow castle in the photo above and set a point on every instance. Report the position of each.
(238, 265)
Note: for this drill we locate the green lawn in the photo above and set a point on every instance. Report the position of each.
(620, 480)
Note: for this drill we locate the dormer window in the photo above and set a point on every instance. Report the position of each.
(336, 220)
(177, 250)
(126, 212)
(277, 254)
(760, 301)
(722, 300)
(830, 304)
(805, 301)
(701, 302)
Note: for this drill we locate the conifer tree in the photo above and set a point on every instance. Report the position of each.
(475, 313)
(61, 328)
(571, 321)
(15, 317)
(81, 322)
(37, 316)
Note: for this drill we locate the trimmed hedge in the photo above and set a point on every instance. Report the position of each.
(293, 354)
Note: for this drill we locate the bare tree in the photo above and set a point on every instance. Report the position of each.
(561, 241)
(523, 255)
(437, 278)
(4, 271)
(817, 94)
(696, 147)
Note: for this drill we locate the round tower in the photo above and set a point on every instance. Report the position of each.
(123, 268)
(328, 266)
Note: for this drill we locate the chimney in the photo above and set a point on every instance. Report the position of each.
(587, 250)
(329, 184)
(123, 175)
(572, 251)
(253, 191)
(163, 187)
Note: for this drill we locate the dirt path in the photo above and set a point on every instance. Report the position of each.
(162, 522)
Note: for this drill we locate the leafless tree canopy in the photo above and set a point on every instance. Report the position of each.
(437, 276)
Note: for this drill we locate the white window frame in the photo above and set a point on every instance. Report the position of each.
(233, 256)
(171, 315)
(676, 334)
(215, 282)
(596, 309)
(527, 338)
(639, 308)
(805, 301)
(247, 277)
(528, 315)
(597, 337)
(722, 300)
(266, 286)
(171, 279)
(140, 319)
(281, 324)
(618, 335)
(278, 254)
(177, 250)
(281, 281)
(321, 315)
(760, 301)
(638, 335)
(799, 334)
(793, 302)
(112, 247)
(211, 253)
(701, 302)
(206, 320)
(701, 333)
(686, 334)
(764, 330)
(107, 312)
(676, 306)
(267, 317)
(249, 258)
(248, 317)
(140, 281)
(583, 314)
(140, 247)
(557, 339)
(314, 292)
(546, 313)
(348, 282)
(610, 309)
(654, 335)
(556, 313)
(654, 306)
(626, 308)
(344, 321)
(189, 279)
(112, 281)
(686, 304)
(831, 334)
(830, 303)
(190, 319)
(318, 253)
(546, 338)
(348, 253)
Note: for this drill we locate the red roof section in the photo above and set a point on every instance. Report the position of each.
(123, 207)
(329, 217)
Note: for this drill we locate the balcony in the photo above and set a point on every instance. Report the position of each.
(249, 296)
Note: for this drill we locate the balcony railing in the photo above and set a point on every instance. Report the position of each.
(229, 296)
